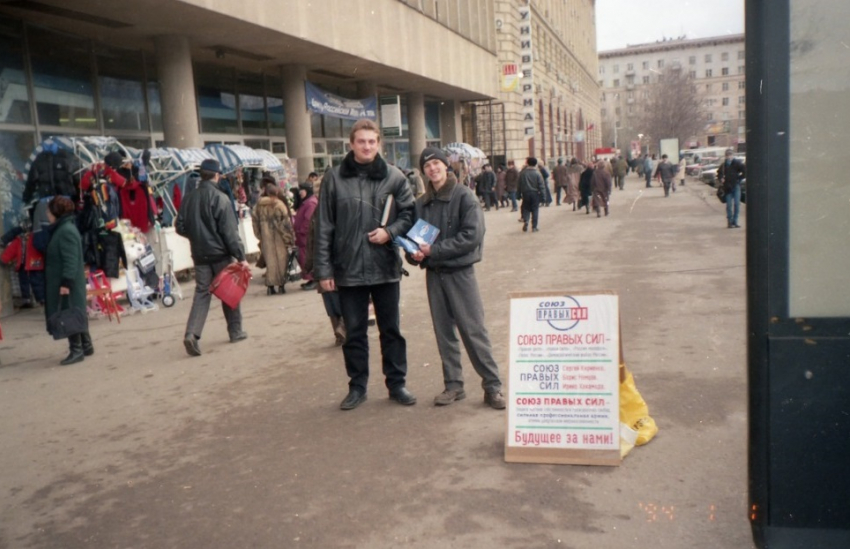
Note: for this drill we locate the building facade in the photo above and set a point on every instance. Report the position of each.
(186, 73)
(715, 67)
(547, 104)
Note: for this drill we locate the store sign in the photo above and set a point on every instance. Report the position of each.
(510, 77)
(322, 102)
(564, 379)
(391, 115)
(527, 67)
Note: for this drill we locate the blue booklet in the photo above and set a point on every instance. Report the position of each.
(422, 232)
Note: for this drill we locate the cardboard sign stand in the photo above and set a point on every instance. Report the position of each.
(564, 374)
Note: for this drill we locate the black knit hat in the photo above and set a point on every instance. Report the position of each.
(430, 153)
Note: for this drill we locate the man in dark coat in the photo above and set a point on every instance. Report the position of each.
(363, 206)
(600, 186)
(562, 180)
(206, 219)
(730, 173)
(532, 188)
(511, 183)
(453, 293)
(488, 187)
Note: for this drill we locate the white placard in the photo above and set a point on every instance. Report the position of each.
(564, 380)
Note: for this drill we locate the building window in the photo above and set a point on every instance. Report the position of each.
(742, 99)
(725, 102)
(710, 116)
(660, 63)
(61, 63)
(630, 66)
(692, 74)
(740, 69)
(616, 69)
(603, 97)
(646, 80)
(601, 69)
(692, 60)
(617, 111)
(645, 65)
(601, 83)
(630, 109)
(742, 85)
(742, 115)
(724, 56)
(708, 87)
(216, 99)
(741, 55)
(724, 71)
(13, 93)
(708, 73)
(725, 86)
(708, 58)
(603, 112)
(616, 82)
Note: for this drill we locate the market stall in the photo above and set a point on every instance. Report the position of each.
(466, 160)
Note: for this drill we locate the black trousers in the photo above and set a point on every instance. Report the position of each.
(354, 301)
(531, 207)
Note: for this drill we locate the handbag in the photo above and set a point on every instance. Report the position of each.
(231, 283)
(721, 194)
(67, 322)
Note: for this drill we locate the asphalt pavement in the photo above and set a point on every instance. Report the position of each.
(142, 446)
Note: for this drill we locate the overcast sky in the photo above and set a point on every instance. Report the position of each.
(623, 22)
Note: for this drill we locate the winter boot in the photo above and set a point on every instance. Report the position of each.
(88, 346)
(75, 344)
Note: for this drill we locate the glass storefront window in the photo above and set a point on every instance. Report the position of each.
(432, 120)
(122, 98)
(346, 128)
(274, 101)
(155, 106)
(333, 127)
(316, 125)
(252, 104)
(15, 149)
(62, 78)
(14, 99)
(216, 99)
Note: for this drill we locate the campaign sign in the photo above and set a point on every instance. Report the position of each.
(563, 379)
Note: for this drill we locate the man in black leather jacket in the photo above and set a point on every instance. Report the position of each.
(453, 293)
(353, 253)
(206, 219)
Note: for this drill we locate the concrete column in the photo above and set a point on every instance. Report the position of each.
(299, 134)
(180, 122)
(451, 126)
(415, 126)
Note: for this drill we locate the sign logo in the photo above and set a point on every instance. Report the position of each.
(562, 314)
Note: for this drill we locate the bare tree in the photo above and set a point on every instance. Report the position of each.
(672, 108)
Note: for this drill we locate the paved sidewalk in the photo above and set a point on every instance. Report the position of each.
(143, 446)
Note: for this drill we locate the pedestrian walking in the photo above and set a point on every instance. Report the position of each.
(453, 294)
(512, 183)
(501, 195)
(206, 219)
(363, 205)
(533, 191)
(561, 176)
(272, 225)
(585, 187)
(730, 173)
(305, 212)
(64, 274)
(488, 187)
(620, 167)
(647, 170)
(666, 173)
(600, 188)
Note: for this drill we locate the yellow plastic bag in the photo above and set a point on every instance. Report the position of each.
(634, 416)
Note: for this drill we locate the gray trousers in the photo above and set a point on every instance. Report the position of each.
(204, 275)
(456, 303)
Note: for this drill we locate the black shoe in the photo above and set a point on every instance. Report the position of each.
(238, 336)
(281, 290)
(354, 399)
(535, 230)
(312, 285)
(270, 290)
(735, 226)
(403, 396)
(525, 227)
(192, 346)
(88, 346)
(76, 347)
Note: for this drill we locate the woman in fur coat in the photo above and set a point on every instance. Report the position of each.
(272, 222)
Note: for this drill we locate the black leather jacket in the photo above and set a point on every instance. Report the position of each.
(351, 203)
(206, 219)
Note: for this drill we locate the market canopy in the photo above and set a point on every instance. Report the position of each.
(232, 157)
(465, 150)
(88, 149)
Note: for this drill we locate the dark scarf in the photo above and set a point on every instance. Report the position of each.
(376, 170)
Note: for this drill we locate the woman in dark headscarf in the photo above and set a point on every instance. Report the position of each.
(65, 278)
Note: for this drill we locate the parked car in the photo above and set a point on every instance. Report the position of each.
(708, 174)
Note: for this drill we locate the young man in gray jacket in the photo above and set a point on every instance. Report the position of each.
(450, 278)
